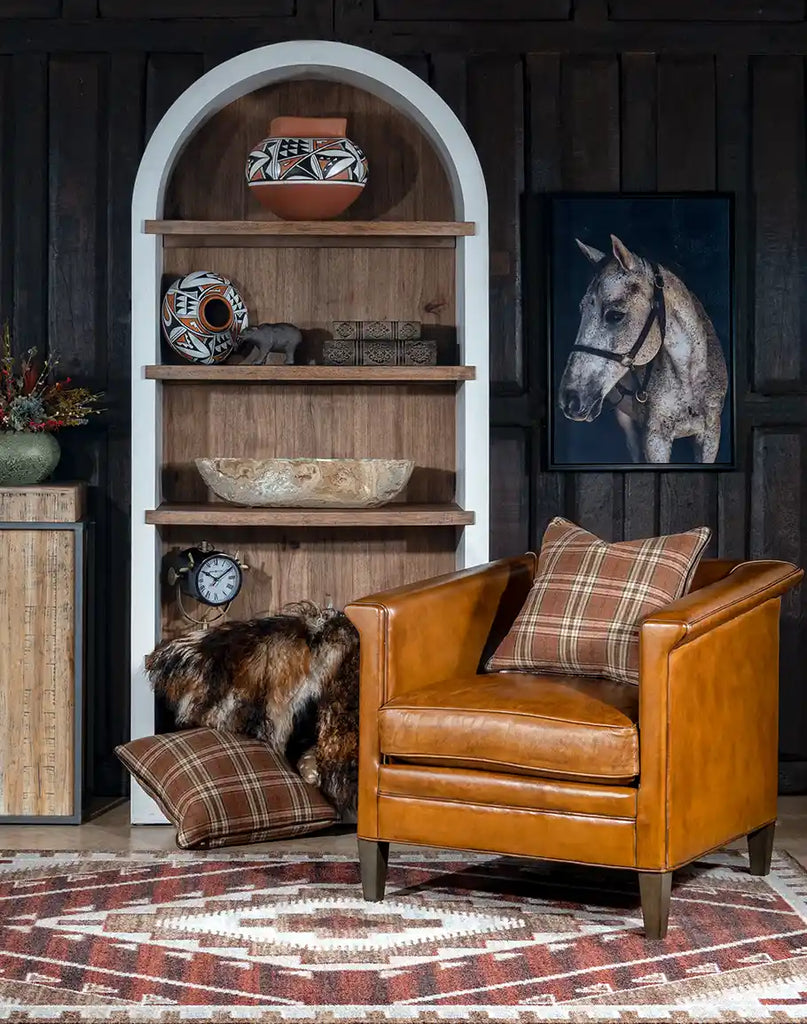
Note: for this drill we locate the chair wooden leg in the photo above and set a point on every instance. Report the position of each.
(760, 848)
(373, 857)
(655, 888)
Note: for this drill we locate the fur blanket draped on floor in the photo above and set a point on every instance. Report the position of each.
(291, 680)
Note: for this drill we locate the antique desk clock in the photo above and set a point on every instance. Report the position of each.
(206, 575)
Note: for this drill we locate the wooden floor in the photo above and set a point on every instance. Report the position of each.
(112, 831)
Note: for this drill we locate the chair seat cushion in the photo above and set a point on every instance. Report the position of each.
(566, 727)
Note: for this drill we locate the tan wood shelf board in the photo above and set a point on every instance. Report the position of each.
(309, 241)
(310, 374)
(221, 514)
(312, 228)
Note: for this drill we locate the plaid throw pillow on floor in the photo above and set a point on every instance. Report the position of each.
(583, 613)
(221, 789)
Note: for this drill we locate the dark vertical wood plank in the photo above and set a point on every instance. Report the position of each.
(544, 165)
(590, 98)
(639, 122)
(30, 199)
(450, 80)
(638, 138)
(76, 304)
(124, 143)
(314, 19)
(352, 18)
(417, 63)
(77, 199)
(6, 191)
(168, 75)
(510, 492)
(496, 85)
(777, 531)
(686, 118)
(687, 162)
(780, 180)
(590, 163)
(545, 156)
(733, 141)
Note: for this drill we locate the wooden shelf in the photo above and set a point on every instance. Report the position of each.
(321, 233)
(222, 514)
(310, 374)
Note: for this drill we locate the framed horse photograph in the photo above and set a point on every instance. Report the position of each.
(641, 315)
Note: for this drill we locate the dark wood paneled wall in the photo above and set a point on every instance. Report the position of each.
(592, 95)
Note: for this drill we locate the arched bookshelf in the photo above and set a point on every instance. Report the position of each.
(414, 246)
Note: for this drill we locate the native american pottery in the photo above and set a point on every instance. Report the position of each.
(202, 316)
(307, 169)
(27, 458)
(306, 483)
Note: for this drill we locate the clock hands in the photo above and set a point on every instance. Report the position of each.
(216, 579)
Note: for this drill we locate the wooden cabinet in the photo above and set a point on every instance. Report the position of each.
(42, 624)
(413, 247)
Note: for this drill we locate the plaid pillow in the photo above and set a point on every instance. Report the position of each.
(588, 598)
(220, 789)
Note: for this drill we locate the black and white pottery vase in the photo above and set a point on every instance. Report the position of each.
(202, 316)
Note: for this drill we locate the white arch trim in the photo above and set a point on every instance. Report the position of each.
(222, 85)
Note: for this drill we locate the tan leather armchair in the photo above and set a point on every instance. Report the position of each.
(566, 768)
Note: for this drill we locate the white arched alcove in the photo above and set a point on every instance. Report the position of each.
(251, 71)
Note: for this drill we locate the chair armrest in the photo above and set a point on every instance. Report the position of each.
(421, 634)
(708, 715)
(747, 585)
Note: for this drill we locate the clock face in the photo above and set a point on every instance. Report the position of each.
(218, 580)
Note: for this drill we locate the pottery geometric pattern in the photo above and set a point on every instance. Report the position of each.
(202, 316)
(166, 937)
(302, 160)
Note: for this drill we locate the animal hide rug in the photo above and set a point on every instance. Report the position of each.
(291, 680)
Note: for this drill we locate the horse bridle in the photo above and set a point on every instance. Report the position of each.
(657, 314)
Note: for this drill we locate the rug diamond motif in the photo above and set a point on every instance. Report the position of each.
(271, 938)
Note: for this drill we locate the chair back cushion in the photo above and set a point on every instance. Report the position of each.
(583, 613)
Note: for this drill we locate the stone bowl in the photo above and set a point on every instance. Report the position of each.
(306, 483)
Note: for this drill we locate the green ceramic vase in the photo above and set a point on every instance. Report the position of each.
(27, 458)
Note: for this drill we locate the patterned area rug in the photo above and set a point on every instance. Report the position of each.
(270, 938)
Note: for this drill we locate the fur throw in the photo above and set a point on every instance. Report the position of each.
(291, 680)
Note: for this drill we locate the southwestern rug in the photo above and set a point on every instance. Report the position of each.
(175, 937)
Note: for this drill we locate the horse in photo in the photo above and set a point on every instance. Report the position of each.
(646, 346)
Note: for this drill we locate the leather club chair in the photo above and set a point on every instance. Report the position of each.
(561, 767)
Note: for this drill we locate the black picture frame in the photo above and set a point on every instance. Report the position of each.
(690, 235)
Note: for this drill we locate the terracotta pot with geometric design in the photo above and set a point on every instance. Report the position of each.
(307, 169)
(203, 315)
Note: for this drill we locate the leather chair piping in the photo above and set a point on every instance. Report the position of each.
(509, 807)
(531, 773)
(688, 625)
(520, 714)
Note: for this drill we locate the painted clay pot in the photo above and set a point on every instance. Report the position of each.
(307, 169)
(202, 316)
(27, 458)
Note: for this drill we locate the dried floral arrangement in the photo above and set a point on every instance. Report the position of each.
(31, 400)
